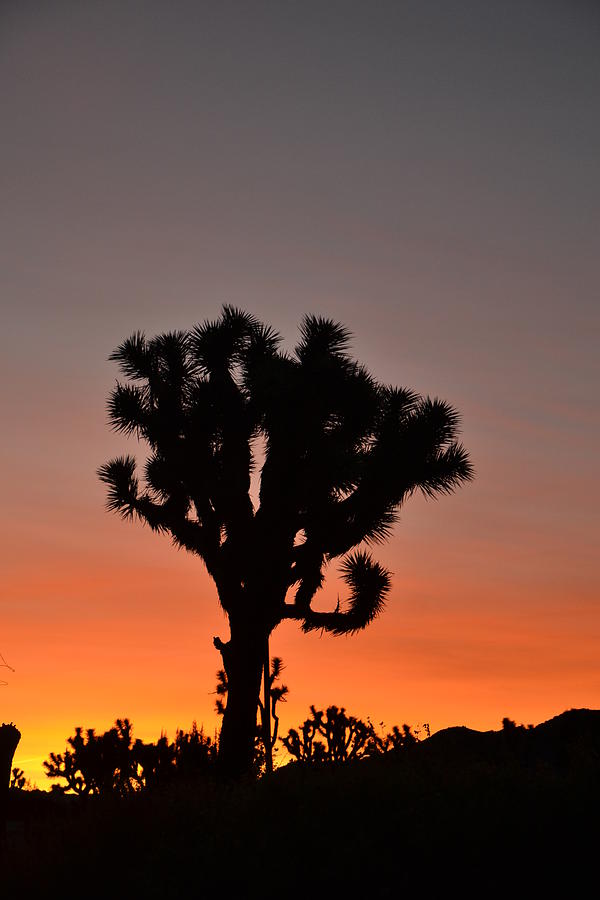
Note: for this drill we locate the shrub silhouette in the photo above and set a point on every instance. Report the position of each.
(195, 753)
(18, 780)
(113, 764)
(330, 737)
(401, 738)
(96, 764)
(333, 737)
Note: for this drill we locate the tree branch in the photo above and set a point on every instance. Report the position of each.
(370, 584)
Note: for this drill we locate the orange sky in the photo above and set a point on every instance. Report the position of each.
(426, 176)
(479, 625)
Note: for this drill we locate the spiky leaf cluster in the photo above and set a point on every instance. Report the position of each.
(341, 455)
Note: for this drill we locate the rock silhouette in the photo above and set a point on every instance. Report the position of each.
(9, 740)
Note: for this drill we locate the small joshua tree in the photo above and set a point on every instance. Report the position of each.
(401, 738)
(111, 763)
(195, 753)
(332, 737)
(96, 764)
(190, 756)
(18, 780)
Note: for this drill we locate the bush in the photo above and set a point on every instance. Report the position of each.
(334, 737)
(113, 764)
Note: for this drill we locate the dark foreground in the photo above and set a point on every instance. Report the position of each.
(515, 811)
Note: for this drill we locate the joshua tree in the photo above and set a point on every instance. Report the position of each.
(346, 738)
(112, 763)
(341, 455)
(333, 737)
(96, 763)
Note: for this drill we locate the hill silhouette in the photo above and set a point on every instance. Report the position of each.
(564, 742)
(514, 810)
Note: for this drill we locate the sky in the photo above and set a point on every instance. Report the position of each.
(426, 173)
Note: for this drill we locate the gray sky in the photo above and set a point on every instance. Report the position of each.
(425, 172)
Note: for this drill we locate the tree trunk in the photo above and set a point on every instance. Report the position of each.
(266, 711)
(243, 660)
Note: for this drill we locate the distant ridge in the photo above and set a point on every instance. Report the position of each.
(571, 739)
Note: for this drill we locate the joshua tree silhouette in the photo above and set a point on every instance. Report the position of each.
(341, 455)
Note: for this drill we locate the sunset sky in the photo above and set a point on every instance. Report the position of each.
(424, 172)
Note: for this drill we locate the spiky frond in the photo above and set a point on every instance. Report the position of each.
(448, 469)
(442, 420)
(376, 525)
(217, 345)
(321, 337)
(173, 364)
(277, 667)
(398, 402)
(171, 348)
(263, 340)
(125, 498)
(162, 477)
(342, 454)
(278, 694)
(369, 583)
(222, 684)
(134, 357)
(412, 447)
(128, 409)
(119, 475)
